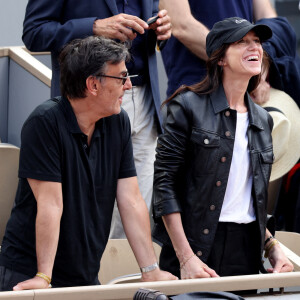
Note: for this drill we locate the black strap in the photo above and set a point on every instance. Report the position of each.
(269, 109)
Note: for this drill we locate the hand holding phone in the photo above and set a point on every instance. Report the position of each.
(153, 20)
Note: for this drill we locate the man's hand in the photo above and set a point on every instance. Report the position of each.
(195, 268)
(279, 261)
(157, 275)
(32, 284)
(262, 93)
(122, 27)
(162, 26)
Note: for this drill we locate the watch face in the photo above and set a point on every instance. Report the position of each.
(149, 268)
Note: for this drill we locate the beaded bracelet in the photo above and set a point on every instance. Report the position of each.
(44, 276)
(271, 245)
(183, 264)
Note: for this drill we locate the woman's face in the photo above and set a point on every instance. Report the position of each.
(243, 57)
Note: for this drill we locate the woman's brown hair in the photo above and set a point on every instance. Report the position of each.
(214, 76)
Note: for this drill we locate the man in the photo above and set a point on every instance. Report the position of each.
(182, 52)
(75, 159)
(48, 25)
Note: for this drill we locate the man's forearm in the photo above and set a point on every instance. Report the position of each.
(263, 9)
(136, 224)
(135, 219)
(186, 28)
(47, 234)
(49, 201)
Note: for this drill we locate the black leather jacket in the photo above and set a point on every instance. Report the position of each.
(193, 161)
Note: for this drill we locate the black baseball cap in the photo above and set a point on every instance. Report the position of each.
(231, 30)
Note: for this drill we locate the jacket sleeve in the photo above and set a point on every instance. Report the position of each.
(284, 71)
(170, 158)
(43, 29)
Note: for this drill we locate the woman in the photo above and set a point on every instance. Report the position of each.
(213, 165)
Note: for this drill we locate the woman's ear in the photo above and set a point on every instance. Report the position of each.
(221, 63)
(92, 85)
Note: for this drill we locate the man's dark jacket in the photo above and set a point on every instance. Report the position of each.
(49, 25)
(193, 161)
(284, 71)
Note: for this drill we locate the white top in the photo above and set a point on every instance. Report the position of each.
(238, 203)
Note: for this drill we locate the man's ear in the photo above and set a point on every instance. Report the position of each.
(92, 85)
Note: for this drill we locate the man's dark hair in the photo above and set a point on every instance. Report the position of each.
(86, 57)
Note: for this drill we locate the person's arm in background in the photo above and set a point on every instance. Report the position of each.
(185, 27)
(44, 31)
(49, 200)
(135, 219)
(262, 9)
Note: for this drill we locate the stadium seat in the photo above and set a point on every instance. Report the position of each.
(9, 163)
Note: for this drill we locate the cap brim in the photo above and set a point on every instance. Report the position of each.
(262, 31)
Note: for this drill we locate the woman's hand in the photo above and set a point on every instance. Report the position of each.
(195, 268)
(279, 261)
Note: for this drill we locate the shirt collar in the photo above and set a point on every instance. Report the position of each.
(71, 119)
(220, 103)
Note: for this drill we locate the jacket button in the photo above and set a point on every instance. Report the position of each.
(227, 113)
(206, 231)
(218, 183)
(228, 133)
(212, 207)
(199, 253)
(223, 159)
(206, 141)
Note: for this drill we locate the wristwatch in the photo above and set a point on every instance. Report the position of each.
(149, 268)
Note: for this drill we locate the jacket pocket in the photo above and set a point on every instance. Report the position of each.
(205, 148)
(266, 160)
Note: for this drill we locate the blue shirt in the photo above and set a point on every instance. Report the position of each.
(182, 66)
(138, 63)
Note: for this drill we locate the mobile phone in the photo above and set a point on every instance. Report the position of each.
(153, 20)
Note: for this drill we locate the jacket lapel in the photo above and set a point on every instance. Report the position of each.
(147, 7)
(254, 119)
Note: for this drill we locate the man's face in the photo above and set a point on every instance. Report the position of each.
(112, 89)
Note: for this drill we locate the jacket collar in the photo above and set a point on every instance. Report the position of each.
(220, 103)
(254, 119)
